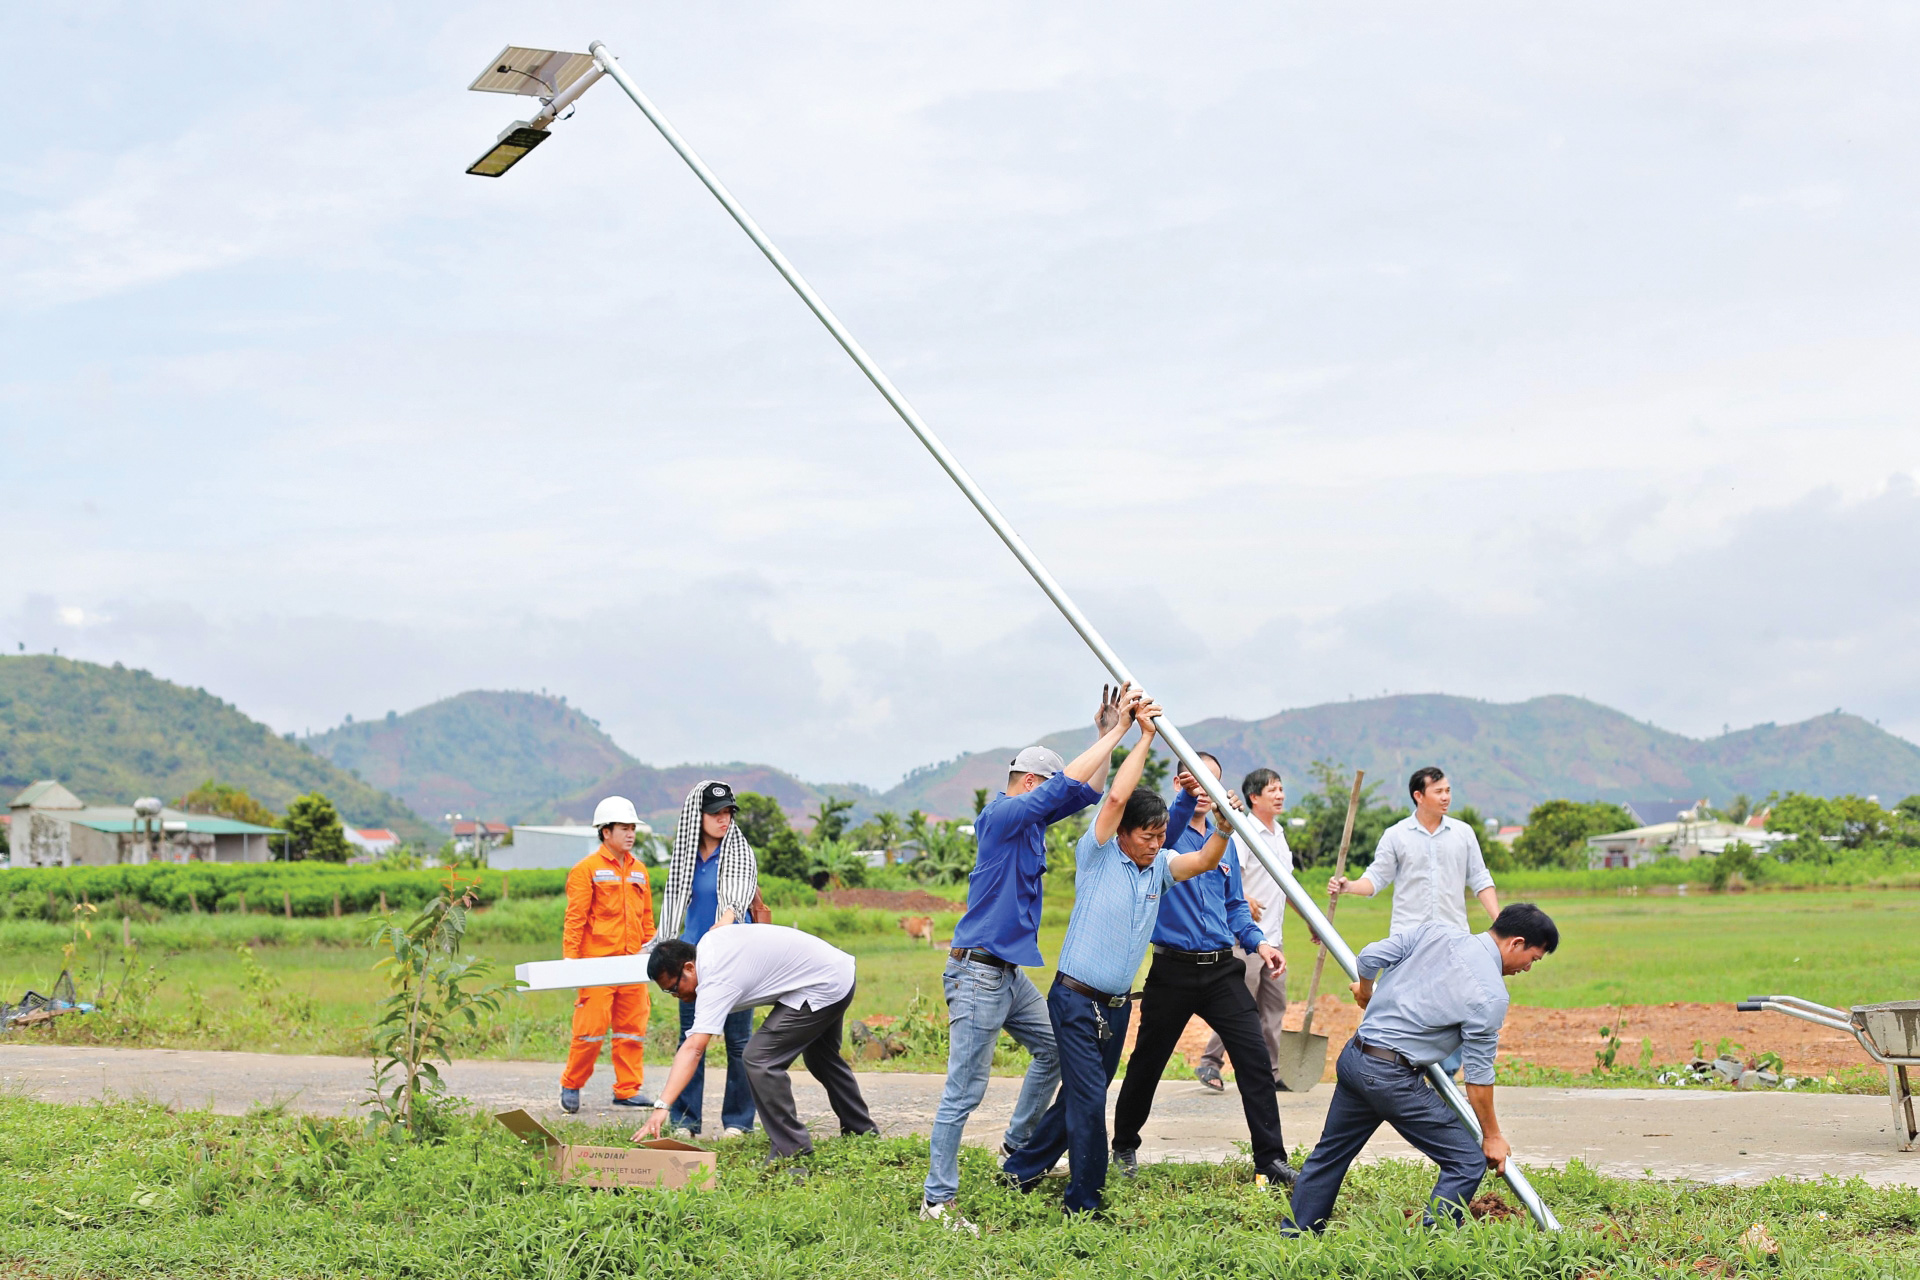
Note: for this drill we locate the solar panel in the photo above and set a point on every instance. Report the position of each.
(536, 73)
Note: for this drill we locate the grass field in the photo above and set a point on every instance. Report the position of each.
(1836, 946)
(132, 1189)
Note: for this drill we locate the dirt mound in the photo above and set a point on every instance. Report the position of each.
(1568, 1038)
(918, 901)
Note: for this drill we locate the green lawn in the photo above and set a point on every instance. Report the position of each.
(1838, 946)
(131, 1189)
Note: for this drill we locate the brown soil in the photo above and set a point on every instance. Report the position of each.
(1569, 1038)
(918, 901)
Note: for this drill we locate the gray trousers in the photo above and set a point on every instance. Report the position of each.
(1270, 998)
(812, 1034)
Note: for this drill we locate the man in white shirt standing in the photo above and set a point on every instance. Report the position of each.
(808, 982)
(1265, 796)
(1432, 861)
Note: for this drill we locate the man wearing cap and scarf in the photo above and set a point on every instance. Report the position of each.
(985, 989)
(609, 913)
(712, 879)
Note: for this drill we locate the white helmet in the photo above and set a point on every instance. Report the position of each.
(615, 809)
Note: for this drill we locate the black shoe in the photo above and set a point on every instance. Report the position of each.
(636, 1100)
(1129, 1162)
(1280, 1173)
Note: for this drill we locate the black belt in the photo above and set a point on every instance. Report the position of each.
(1192, 957)
(982, 957)
(1385, 1054)
(1074, 984)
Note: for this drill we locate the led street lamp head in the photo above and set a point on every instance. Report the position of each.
(518, 139)
(557, 79)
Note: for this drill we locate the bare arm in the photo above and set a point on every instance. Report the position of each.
(1185, 866)
(1112, 720)
(692, 1049)
(1107, 821)
(1491, 1143)
(1489, 899)
(1340, 884)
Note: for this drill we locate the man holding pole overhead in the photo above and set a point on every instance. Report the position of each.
(1195, 971)
(1000, 932)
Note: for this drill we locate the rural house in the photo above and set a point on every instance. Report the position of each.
(50, 827)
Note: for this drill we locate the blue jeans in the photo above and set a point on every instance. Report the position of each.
(1369, 1091)
(1077, 1121)
(981, 1001)
(736, 1107)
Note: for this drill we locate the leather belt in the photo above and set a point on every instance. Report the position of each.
(1074, 984)
(1385, 1054)
(1192, 957)
(982, 957)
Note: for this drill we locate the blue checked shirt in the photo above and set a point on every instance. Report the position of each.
(1442, 991)
(1116, 905)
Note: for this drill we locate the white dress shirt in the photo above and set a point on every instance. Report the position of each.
(1431, 872)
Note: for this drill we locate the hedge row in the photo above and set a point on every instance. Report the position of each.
(308, 888)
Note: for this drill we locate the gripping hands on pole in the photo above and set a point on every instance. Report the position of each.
(1242, 824)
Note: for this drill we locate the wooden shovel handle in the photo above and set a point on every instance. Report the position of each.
(1333, 899)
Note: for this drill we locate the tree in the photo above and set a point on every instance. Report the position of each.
(1557, 831)
(1856, 820)
(764, 823)
(1739, 809)
(1153, 778)
(980, 801)
(1322, 813)
(835, 864)
(223, 801)
(946, 853)
(830, 820)
(313, 830)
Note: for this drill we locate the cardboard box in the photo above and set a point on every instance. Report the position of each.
(662, 1162)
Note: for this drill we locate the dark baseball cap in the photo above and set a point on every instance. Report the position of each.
(717, 797)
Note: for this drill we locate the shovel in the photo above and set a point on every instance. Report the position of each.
(1303, 1055)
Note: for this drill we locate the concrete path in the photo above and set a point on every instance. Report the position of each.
(1710, 1137)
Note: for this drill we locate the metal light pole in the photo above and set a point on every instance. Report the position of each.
(1243, 826)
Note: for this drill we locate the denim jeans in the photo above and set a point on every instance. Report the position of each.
(982, 999)
(736, 1107)
(1077, 1121)
(1369, 1091)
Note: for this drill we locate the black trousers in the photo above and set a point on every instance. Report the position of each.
(1175, 991)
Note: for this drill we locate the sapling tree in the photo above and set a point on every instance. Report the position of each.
(433, 995)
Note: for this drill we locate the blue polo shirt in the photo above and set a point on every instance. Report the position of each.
(1208, 912)
(703, 905)
(1004, 890)
(1116, 901)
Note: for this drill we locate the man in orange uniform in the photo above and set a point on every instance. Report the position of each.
(609, 913)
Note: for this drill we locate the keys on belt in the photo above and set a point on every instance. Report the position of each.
(1091, 993)
(1192, 957)
(982, 957)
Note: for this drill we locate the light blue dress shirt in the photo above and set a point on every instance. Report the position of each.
(1117, 903)
(1443, 990)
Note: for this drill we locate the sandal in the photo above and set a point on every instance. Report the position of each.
(1209, 1075)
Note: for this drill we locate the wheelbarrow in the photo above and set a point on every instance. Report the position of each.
(1890, 1033)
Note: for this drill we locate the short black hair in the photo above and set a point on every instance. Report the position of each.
(1208, 755)
(1424, 778)
(1528, 923)
(1144, 808)
(1256, 782)
(671, 956)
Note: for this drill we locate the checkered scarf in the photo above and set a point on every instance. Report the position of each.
(739, 870)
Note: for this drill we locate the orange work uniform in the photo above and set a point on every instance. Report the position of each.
(609, 913)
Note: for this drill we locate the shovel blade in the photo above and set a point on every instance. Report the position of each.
(1303, 1060)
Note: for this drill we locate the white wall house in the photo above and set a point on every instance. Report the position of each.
(51, 828)
(1685, 840)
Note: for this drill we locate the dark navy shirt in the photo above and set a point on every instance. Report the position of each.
(703, 906)
(1004, 891)
(1208, 912)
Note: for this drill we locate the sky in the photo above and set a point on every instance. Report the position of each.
(1320, 352)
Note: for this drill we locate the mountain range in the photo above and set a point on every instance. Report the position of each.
(111, 734)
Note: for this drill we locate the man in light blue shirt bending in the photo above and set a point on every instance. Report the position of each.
(1121, 876)
(1442, 991)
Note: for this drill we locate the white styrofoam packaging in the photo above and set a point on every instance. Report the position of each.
(598, 971)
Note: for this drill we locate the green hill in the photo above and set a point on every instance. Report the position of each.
(528, 757)
(1505, 757)
(111, 735)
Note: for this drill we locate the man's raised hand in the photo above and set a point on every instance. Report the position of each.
(1112, 707)
(1144, 710)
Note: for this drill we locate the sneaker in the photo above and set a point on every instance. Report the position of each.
(636, 1100)
(1129, 1162)
(1209, 1075)
(1003, 1152)
(731, 1132)
(1280, 1173)
(947, 1215)
(570, 1101)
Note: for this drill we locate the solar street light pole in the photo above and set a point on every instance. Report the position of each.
(1243, 826)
